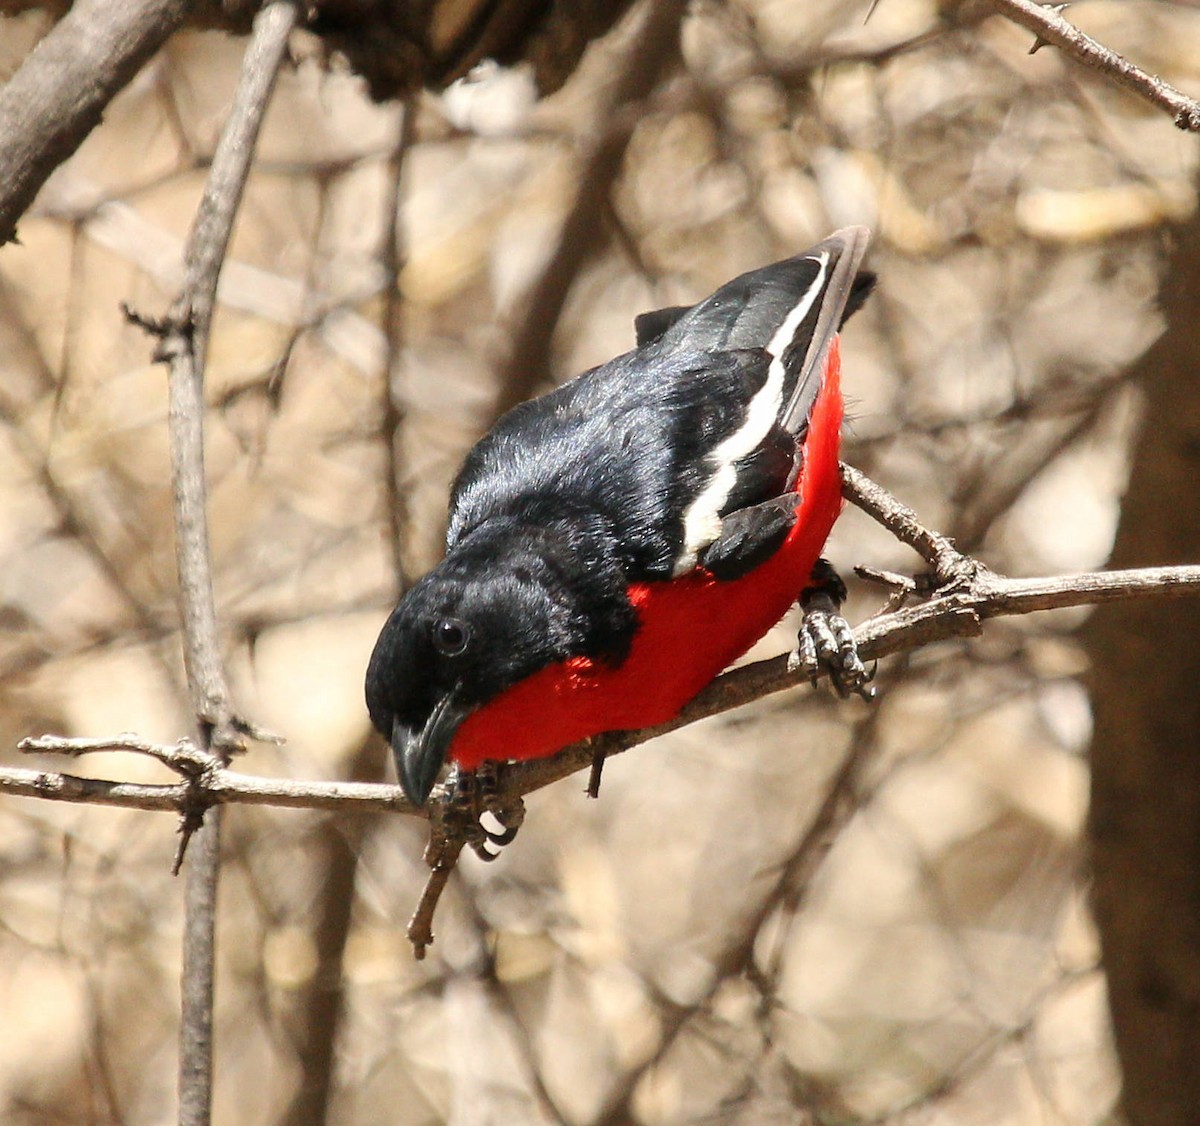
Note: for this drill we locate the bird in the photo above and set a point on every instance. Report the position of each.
(616, 543)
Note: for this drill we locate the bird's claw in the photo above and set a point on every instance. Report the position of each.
(826, 644)
(473, 794)
(826, 641)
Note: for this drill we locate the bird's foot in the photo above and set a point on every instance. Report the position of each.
(826, 641)
(475, 795)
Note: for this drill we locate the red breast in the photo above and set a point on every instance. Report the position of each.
(689, 628)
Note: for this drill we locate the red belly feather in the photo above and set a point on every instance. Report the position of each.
(690, 629)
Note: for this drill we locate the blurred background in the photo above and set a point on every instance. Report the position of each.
(805, 911)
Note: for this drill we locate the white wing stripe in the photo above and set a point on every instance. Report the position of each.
(702, 521)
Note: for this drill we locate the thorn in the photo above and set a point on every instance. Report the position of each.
(1053, 9)
(259, 734)
(152, 326)
(870, 11)
(593, 786)
(190, 820)
(886, 578)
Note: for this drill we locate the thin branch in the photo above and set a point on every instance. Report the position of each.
(441, 856)
(184, 345)
(321, 1015)
(956, 614)
(938, 551)
(197, 977)
(222, 786)
(391, 424)
(74, 521)
(337, 846)
(997, 484)
(92, 791)
(61, 90)
(1051, 28)
(183, 757)
(968, 594)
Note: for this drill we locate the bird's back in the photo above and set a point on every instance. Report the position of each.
(638, 442)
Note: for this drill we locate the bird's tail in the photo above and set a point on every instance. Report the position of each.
(791, 309)
(803, 340)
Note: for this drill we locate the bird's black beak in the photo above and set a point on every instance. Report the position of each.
(420, 755)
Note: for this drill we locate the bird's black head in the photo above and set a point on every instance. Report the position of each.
(504, 604)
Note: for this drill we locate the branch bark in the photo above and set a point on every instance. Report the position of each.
(58, 95)
(1051, 28)
(959, 613)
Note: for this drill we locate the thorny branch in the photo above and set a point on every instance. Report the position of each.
(1047, 23)
(964, 595)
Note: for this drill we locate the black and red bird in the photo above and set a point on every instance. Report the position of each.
(616, 543)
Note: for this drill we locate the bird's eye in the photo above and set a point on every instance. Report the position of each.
(450, 636)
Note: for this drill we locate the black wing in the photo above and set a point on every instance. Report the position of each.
(702, 419)
(625, 445)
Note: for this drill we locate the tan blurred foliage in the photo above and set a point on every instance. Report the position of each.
(680, 951)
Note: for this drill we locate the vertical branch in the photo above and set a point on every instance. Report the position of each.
(1145, 810)
(338, 846)
(184, 346)
(197, 974)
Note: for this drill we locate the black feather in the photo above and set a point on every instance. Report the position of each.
(626, 443)
(749, 537)
(648, 327)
